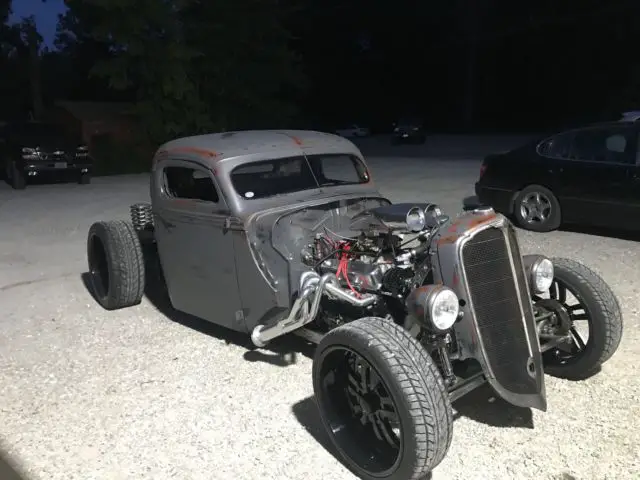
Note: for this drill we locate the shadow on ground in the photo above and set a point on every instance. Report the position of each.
(306, 413)
(481, 405)
(280, 352)
(9, 469)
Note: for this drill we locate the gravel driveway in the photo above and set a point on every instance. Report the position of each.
(144, 393)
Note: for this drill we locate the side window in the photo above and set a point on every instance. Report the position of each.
(189, 183)
(607, 145)
(558, 146)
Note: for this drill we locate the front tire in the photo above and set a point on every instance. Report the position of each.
(382, 400)
(598, 307)
(116, 264)
(536, 208)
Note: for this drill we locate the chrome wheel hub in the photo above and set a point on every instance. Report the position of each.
(535, 208)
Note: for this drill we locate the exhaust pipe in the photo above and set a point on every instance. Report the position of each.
(306, 306)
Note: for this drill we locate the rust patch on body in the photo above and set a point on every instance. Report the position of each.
(194, 150)
(460, 226)
(447, 240)
(296, 140)
(484, 219)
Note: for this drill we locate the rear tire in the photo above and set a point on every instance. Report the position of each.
(403, 380)
(548, 214)
(116, 264)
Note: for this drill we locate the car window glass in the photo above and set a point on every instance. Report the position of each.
(558, 146)
(601, 145)
(336, 169)
(293, 174)
(189, 183)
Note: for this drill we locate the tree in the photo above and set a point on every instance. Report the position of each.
(22, 49)
(77, 52)
(196, 66)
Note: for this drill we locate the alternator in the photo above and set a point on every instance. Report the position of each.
(142, 216)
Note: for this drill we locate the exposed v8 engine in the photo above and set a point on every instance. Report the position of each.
(387, 258)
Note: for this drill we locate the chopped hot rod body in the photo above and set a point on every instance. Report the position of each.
(277, 232)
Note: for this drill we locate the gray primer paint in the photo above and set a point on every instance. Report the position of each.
(268, 233)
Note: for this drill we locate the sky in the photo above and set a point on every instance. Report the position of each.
(46, 15)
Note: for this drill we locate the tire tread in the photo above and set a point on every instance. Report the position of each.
(607, 308)
(125, 263)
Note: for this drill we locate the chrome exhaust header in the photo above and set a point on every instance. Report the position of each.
(306, 306)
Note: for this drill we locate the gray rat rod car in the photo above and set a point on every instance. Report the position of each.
(277, 232)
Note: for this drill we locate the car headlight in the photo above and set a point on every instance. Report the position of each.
(436, 307)
(540, 271)
(542, 275)
(416, 219)
(444, 309)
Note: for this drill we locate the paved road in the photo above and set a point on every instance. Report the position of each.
(147, 394)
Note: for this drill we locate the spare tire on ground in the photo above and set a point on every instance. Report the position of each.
(116, 264)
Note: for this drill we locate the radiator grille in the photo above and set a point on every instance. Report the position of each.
(493, 291)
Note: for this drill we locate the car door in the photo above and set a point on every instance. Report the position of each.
(196, 250)
(594, 178)
(633, 196)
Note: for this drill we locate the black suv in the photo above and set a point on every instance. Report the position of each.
(408, 130)
(34, 149)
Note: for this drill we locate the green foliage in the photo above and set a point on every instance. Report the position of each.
(196, 66)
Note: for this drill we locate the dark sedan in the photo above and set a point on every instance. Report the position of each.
(35, 149)
(586, 176)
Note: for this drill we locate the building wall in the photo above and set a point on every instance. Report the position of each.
(64, 118)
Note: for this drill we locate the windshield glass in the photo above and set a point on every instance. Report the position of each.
(267, 178)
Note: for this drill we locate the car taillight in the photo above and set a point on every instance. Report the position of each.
(483, 168)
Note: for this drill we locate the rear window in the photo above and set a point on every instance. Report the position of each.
(294, 174)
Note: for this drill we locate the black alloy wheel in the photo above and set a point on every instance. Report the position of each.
(363, 406)
(382, 400)
(586, 310)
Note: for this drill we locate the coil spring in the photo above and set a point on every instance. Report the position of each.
(142, 216)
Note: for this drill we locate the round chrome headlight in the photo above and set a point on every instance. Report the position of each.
(444, 309)
(435, 307)
(416, 219)
(542, 275)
